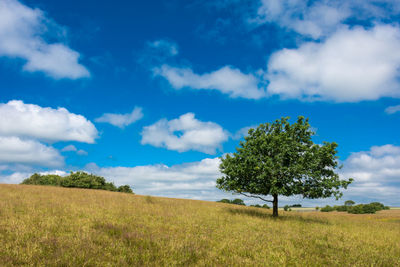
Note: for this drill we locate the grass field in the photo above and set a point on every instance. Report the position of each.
(75, 227)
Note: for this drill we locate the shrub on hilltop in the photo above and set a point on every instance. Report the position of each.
(265, 206)
(327, 208)
(125, 189)
(39, 179)
(77, 179)
(357, 209)
(236, 201)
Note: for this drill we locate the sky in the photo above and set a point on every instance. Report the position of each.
(152, 93)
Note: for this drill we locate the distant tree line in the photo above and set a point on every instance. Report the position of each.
(289, 207)
(77, 179)
(238, 201)
(356, 209)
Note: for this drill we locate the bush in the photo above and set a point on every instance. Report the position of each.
(327, 208)
(296, 206)
(367, 208)
(238, 201)
(357, 209)
(125, 189)
(265, 206)
(349, 203)
(378, 206)
(286, 208)
(85, 180)
(76, 179)
(341, 208)
(362, 209)
(39, 179)
(316, 208)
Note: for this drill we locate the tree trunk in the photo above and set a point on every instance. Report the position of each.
(275, 206)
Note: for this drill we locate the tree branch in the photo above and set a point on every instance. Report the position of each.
(256, 197)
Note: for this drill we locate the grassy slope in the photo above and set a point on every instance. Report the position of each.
(58, 226)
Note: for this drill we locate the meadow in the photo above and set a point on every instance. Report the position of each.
(55, 226)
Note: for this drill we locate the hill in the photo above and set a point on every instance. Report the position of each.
(44, 225)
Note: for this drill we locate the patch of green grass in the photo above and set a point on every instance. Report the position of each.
(48, 226)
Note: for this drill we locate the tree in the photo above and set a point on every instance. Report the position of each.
(43, 179)
(286, 208)
(81, 179)
(280, 158)
(349, 203)
(125, 189)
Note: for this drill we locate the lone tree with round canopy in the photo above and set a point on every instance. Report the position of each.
(280, 158)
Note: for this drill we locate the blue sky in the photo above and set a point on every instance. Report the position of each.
(152, 93)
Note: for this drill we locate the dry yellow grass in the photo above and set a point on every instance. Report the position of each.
(75, 227)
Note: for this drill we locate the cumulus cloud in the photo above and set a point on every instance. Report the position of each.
(166, 47)
(185, 133)
(121, 120)
(376, 173)
(82, 152)
(228, 80)
(19, 176)
(351, 65)
(22, 35)
(243, 132)
(314, 20)
(392, 109)
(19, 151)
(69, 148)
(321, 18)
(28, 120)
(188, 180)
(72, 148)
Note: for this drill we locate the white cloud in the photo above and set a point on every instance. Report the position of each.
(19, 151)
(27, 120)
(351, 65)
(81, 152)
(122, 120)
(243, 132)
(22, 35)
(392, 109)
(228, 80)
(72, 148)
(314, 20)
(14, 178)
(19, 176)
(188, 180)
(166, 47)
(185, 133)
(69, 148)
(376, 173)
(321, 18)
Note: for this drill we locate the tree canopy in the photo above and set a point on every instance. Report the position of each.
(349, 203)
(280, 158)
